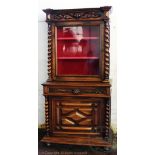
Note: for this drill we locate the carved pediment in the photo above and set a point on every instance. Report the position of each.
(77, 14)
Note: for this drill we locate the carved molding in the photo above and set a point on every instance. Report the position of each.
(47, 116)
(106, 49)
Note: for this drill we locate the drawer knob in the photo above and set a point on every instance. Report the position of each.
(98, 91)
(76, 91)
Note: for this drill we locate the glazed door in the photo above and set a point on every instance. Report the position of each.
(78, 52)
(77, 116)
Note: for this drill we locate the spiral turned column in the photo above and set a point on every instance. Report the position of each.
(47, 116)
(49, 52)
(106, 49)
(107, 119)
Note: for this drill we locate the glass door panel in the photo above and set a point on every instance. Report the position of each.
(78, 50)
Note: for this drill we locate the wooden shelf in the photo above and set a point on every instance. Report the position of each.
(72, 38)
(80, 58)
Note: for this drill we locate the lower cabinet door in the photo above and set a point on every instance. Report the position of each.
(77, 116)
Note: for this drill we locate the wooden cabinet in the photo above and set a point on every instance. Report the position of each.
(77, 91)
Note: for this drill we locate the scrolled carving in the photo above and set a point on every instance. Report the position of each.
(47, 116)
(77, 14)
(74, 15)
(106, 49)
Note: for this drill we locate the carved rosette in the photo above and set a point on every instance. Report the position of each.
(107, 119)
(47, 116)
(106, 49)
(49, 51)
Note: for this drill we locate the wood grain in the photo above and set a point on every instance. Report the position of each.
(78, 108)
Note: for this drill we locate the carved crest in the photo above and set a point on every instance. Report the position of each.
(77, 14)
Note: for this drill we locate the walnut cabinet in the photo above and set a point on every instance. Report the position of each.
(77, 91)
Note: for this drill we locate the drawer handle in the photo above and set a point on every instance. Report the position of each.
(76, 91)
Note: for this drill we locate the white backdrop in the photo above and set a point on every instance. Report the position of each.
(42, 47)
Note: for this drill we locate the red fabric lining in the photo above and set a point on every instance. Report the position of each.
(76, 42)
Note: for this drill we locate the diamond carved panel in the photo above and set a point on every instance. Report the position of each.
(76, 116)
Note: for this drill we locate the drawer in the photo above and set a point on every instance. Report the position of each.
(78, 91)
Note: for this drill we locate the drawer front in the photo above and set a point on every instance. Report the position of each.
(79, 91)
(77, 116)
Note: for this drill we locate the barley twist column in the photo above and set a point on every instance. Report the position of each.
(106, 49)
(47, 116)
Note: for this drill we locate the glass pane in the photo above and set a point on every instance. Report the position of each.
(78, 50)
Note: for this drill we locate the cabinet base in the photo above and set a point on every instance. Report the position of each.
(73, 140)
